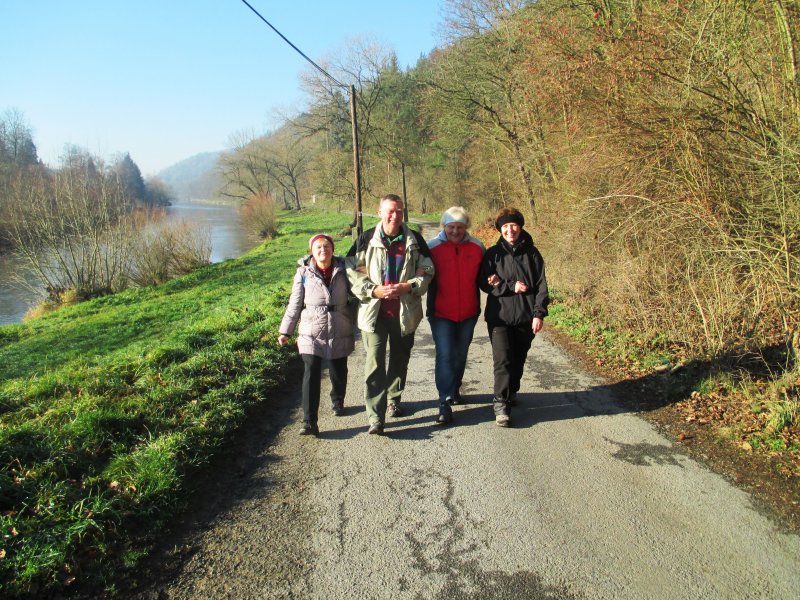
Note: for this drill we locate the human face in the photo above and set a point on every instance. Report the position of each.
(322, 251)
(510, 232)
(391, 214)
(455, 232)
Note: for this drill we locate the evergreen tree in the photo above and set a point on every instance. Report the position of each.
(130, 178)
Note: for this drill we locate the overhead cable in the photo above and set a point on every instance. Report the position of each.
(300, 52)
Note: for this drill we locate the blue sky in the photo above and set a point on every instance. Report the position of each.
(166, 79)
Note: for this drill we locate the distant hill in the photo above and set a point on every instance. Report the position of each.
(194, 178)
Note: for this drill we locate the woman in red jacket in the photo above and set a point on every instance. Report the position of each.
(453, 304)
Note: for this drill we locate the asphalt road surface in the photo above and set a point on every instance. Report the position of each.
(579, 499)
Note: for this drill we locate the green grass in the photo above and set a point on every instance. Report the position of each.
(609, 345)
(107, 406)
(430, 216)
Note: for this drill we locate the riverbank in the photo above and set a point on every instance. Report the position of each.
(20, 290)
(107, 407)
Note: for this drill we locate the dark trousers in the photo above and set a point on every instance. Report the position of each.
(510, 345)
(385, 383)
(312, 376)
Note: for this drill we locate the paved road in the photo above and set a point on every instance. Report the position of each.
(580, 499)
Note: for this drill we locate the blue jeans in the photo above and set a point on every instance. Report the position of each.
(452, 341)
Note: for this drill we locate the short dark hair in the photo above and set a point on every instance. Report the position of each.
(392, 198)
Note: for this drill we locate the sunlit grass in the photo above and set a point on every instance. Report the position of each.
(108, 405)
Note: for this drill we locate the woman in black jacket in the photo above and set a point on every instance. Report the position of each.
(512, 274)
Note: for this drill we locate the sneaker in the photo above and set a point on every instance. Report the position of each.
(309, 429)
(512, 399)
(503, 420)
(394, 410)
(454, 400)
(375, 429)
(338, 410)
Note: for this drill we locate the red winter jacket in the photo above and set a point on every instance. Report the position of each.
(453, 293)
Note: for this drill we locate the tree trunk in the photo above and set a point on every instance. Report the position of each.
(784, 23)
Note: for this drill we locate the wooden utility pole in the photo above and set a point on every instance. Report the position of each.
(356, 161)
(405, 200)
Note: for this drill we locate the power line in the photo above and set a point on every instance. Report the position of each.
(300, 52)
(353, 121)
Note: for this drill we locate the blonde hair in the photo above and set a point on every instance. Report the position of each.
(455, 214)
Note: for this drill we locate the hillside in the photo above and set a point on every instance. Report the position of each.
(195, 177)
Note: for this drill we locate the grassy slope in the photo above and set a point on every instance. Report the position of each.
(107, 405)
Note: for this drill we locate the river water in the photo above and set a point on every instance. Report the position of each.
(228, 240)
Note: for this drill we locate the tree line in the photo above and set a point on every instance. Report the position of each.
(87, 228)
(653, 145)
(23, 175)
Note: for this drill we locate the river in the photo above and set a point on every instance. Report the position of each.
(228, 240)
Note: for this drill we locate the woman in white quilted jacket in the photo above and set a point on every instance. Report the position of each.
(319, 301)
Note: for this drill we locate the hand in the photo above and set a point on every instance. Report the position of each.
(391, 291)
(537, 325)
(283, 340)
(493, 280)
(520, 288)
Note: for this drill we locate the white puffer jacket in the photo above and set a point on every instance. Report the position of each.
(326, 323)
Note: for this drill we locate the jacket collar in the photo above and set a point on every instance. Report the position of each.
(525, 240)
(442, 237)
(377, 241)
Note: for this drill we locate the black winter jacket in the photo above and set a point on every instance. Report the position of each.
(521, 262)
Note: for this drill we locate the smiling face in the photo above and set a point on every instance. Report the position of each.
(455, 232)
(391, 214)
(322, 251)
(510, 232)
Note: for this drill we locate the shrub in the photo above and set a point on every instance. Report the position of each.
(258, 213)
(166, 251)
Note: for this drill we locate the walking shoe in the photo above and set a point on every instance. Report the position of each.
(309, 429)
(338, 410)
(444, 418)
(394, 410)
(375, 429)
(503, 420)
(453, 400)
(512, 399)
(502, 412)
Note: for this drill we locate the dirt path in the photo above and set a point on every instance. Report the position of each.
(579, 499)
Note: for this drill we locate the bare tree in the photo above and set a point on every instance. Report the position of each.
(71, 230)
(16, 139)
(266, 165)
(466, 18)
(362, 64)
(246, 170)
